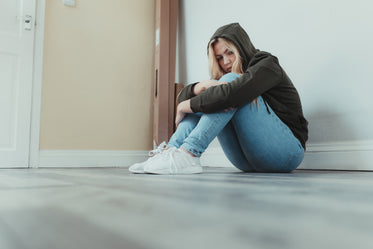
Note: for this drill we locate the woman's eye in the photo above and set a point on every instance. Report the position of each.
(219, 58)
(230, 52)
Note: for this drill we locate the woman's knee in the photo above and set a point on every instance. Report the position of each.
(192, 118)
(229, 77)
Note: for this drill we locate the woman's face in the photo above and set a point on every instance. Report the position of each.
(224, 56)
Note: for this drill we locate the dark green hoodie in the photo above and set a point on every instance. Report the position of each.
(263, 76)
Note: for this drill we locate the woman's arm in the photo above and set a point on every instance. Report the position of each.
(204, 85)
(182, 109)
(196, 89)
(263, 73)
(186, 93)
(184, 106)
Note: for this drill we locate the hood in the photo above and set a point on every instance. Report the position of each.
(238, 36)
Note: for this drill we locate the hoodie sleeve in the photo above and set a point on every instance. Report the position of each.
(186, 93)
(263, 73)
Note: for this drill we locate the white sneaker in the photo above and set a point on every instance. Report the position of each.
(173, 161)
(138, 168)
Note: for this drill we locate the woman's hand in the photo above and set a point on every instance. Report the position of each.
(203, 85)
(182, 109)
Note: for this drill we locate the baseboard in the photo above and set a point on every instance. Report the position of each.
(343, 146)
(81, 158)
(346, 160)
(349, 155)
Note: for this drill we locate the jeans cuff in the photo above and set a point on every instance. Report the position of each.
(191, 150)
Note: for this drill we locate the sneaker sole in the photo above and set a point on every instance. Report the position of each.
(186, 171)
(137, 172)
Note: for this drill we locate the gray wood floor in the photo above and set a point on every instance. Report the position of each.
(222, 208)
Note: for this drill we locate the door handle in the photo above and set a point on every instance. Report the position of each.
(28, 22)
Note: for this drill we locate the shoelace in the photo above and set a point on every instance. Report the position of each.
(158, 150)
(168, 155)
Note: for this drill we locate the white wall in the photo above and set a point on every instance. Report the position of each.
(97, 76)
(324, 46)
(96, 107)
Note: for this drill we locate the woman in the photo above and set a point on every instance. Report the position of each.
(251, 105)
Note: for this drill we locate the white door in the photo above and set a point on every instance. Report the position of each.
(16, 68)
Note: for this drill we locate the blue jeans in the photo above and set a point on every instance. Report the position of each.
(253, 138)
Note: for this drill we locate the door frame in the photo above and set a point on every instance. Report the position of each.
(166, 16)
(37, 82)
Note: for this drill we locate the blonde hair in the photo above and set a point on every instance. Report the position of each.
(216, 72)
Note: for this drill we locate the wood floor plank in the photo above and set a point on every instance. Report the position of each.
(221, 208)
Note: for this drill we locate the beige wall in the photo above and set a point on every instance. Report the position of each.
(97, 79)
